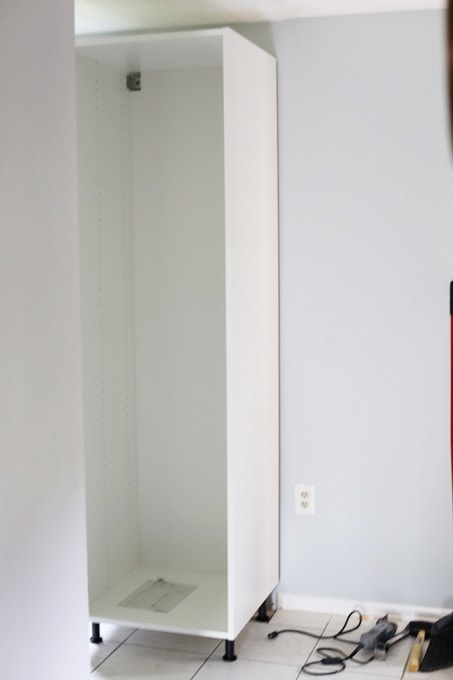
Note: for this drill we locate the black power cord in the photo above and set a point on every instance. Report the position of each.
(336, 658)
(342, 630)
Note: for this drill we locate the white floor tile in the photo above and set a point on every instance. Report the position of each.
(242, 669)
(445, 674)
(113, 637)
(98, 653)
(136, 662)
(374, 669)
(128, 654)
(286, 618)
(357, 674)
(393, 665)
(182, 643)
(253, 645)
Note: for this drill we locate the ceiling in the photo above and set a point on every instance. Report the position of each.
(106, 16)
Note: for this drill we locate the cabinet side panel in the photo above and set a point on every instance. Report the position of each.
(107, 322)
(180, 318)
(252, 326)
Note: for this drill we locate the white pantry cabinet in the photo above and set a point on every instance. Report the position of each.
(179, 277)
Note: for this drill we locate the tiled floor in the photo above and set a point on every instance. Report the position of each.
(129, 654)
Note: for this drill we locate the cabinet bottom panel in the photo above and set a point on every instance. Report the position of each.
(163, 599)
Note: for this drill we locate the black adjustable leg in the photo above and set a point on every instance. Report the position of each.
(262, 613)
(229, 651)
(95, 633)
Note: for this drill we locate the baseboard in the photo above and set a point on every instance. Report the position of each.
(328, 605)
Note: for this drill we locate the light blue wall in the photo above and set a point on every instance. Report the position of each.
(366, 231)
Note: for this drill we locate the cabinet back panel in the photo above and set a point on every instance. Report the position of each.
(177, 125)
(107, 322)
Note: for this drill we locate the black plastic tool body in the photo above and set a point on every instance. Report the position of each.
(378, 635)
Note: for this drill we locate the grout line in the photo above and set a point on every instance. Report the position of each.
(313, 649)
(403, 673)
(114, 650)
(205, 661)
(398, 674)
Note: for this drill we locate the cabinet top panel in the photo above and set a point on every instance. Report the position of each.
(156, 51)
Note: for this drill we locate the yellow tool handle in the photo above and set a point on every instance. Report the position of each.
(416, 652)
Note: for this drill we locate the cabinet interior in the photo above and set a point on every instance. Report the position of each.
(152, 243)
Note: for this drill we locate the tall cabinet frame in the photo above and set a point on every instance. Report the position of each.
(179, 274)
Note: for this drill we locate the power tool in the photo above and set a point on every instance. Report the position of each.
(376, 639)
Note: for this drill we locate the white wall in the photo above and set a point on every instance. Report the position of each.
(366, 206)
(42, 537)
(366, 215)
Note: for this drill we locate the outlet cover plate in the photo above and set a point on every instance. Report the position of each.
(304, 499)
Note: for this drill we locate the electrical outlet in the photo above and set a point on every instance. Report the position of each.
(304, 499)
